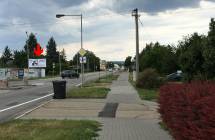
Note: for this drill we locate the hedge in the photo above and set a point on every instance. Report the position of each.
(188, 110)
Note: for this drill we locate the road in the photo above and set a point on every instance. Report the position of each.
(16, 102)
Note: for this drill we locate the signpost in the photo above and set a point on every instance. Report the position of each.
(82, 52)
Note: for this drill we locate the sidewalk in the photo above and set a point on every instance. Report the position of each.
(134, 119)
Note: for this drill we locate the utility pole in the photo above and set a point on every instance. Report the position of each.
(135, 14)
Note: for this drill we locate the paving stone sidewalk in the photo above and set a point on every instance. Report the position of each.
(134, 120)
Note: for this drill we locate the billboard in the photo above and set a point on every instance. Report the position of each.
(37, 63)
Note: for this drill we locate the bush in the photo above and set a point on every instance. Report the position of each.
(188, 110)
(148, 79)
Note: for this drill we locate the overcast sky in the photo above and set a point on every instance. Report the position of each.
(108, 27)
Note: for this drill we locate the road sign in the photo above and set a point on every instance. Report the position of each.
(53, 65)
(83, 59)
(36, 63)
(82, 52)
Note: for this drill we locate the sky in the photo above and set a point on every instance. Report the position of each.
(108, 27)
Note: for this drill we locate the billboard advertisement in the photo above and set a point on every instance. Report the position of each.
(37, 63)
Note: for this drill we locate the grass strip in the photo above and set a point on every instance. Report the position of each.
(145, 94)
(88, 92)
(49, 130)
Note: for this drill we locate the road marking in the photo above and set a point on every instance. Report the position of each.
(78, 85)
(15, 106)
(32, 109)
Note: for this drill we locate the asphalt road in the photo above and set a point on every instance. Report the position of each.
(14, 103)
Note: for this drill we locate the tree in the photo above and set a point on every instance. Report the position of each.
(63, 56)
(110, 65)
(52, 55)
(191, 58)
(128, 63)
(20, 59)
(31, 43)
(209, 52)
(159, 57)
(7, 57)
(93, 62)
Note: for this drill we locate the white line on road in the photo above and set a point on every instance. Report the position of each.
(78, 85)
(15, 106)
(33, 109)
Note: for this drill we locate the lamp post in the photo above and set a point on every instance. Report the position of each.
(78, 15)
(27, 45)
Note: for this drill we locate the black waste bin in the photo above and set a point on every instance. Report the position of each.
(59, 89)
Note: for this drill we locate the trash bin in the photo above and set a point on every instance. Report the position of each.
(59, 89)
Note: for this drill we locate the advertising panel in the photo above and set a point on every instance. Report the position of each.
(37, 63)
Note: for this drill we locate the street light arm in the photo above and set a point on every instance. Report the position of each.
(62, 15)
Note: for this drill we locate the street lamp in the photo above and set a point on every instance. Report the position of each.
(27, 45)
(78, 15)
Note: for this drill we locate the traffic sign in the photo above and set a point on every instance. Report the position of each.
(82, 52)
(83, 59)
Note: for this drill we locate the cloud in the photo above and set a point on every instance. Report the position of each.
(153, 6)
(69, 3)
(108, 27)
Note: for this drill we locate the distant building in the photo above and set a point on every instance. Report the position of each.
(103, 65)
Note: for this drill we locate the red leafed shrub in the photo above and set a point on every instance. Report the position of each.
(188, 110)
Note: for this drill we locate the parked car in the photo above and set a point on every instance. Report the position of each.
(176, 76)
(69, 74)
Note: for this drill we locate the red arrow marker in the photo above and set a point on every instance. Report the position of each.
(38, 50)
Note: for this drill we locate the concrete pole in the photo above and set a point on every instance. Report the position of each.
(135, 14)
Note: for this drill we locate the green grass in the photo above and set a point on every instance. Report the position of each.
(163, 126)
(107, 79)
(88, 92)
(49, 130)
(38, 78)
(148, 94)
(97, 89)
(145, 94)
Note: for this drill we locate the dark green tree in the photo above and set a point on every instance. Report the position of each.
(190, 52)
(110, 65)
(159, 57)
(31, 43)
(92, 62)
(7, 57)
(128, 63)
(52, 55)
(209, 52)
(20, 59)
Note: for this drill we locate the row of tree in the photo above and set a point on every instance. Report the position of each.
(194, 55)
(18, 58)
